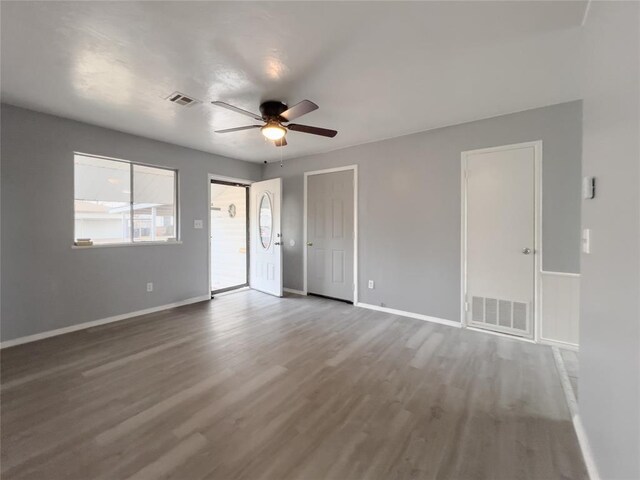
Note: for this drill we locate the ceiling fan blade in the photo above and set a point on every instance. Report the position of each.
(281, 142)
(255, 116)
(237, 129)
(299, 109)
(325, 132)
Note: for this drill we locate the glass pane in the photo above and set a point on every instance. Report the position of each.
(102, 196)
(154, 209)
(264, 221)
(228, 236)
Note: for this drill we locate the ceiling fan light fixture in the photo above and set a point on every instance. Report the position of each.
(273, 131)
(272, 114)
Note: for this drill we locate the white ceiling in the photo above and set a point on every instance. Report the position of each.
(377, 69)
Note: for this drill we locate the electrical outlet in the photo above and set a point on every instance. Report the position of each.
(197, 224)
(371, 284)
(150, 287)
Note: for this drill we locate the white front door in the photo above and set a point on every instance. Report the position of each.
(265, 237)
(500, 199)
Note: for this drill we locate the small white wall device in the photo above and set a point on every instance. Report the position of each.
(588, 187)
(586, 240)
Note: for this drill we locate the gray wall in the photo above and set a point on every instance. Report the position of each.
(48, 285)
(609, 383)
(409, 212)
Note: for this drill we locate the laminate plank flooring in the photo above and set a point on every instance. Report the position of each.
(250, 386)
(570, 359)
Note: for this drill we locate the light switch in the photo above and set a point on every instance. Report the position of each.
(197, 224)
(586, 240)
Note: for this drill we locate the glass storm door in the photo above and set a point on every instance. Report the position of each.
(229, 222)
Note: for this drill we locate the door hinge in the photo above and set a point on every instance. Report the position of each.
(466, 306)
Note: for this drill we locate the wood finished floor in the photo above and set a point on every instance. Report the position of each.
(249, 386)
(570, 359)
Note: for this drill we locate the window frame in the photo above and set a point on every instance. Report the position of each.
(131, 242)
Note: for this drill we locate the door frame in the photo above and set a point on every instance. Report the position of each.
(537, 247)
(211, 177)
(355, 225)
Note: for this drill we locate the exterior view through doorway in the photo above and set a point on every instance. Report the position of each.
(229, 236)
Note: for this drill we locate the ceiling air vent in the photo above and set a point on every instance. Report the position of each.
(182, 99)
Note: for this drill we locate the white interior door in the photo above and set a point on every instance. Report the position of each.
(265, 236)
(330, 232)
(500, 239)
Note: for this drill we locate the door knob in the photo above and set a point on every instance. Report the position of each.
(526, 250)
(309, 244)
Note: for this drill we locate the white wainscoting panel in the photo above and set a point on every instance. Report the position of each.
(560, 308)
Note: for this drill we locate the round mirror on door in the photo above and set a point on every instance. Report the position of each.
(265, 222)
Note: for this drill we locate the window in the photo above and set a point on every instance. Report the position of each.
(264, 221)
(118, 202)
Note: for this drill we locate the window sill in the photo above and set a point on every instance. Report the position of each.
(113, 245)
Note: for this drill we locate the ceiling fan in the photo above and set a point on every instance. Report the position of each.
(274, 114)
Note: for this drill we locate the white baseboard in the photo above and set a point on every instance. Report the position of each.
(559, 344)
(418, 316)
(561, 274)
(572, 403)
(297, 292)
(500, 334)
(586, 448)
(102, 321)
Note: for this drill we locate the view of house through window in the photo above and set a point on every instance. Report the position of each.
(121, 202)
